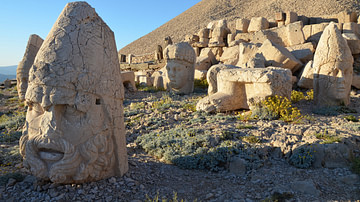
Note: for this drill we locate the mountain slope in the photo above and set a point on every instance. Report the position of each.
(198, 16)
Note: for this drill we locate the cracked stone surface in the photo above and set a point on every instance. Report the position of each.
(74, 125)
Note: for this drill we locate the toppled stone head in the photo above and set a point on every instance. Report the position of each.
(74, 130)
(22, 71)
(180, 67)
(333, 69)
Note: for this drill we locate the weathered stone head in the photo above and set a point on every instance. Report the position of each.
(180, 67)
(333, 69)
(22, 71)
(219, 32)
(74, 128)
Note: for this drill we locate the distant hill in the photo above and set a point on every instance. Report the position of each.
(8, 70)
(198, 16)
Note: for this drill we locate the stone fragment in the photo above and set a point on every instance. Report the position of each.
(243, 36)
(203, 38)
(203, 63)
(74, 130)
(242, 25)
(291, 17)
(257, 24)
(307, 77)
(219, 34)
(180, 68)
(128, 79)
(333, 69)
(129, 58)
(22, 71)
(168, 41)
(159, 53)
(346, 16)
(211, 76)
(145, 80)
(230, 55)
(207, 52)
(191, 38)
(280, 16)
(250, 56)
(200, 74)
(350, 27)
(353, 42)
(305, 187)
(239, 88)
(288, 35)
(279, 56)
(312, 33)
(303, 52)
(356, 81)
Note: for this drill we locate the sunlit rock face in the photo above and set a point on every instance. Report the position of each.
(74, 130)
(180, 68)
(333, 69)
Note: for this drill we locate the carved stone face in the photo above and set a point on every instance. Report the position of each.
(178, 74)
(22, 84)
(336, 81)
(64, 142)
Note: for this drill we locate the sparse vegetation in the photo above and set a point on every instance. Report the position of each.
(157, 198)
(302, 157)
(351, 118)
(327, 138)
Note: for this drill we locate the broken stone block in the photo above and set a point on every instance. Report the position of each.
(128, 79)
(211, 76)
(74, 130)
(280, 16)
(22, 71)
(353, 42)
(333, 69)
(200, 74)
(257, 24)
(279, 56)
(217, 51)
(350, 27)
(249, 56)
(307, 77)
(303, 52)
(230, 55)
(347, 16)
(356, 81)
(312, 33)
(243, 36)
(203, 38)
(243, 88)
(207, 52)
(242, 25)
(138, 74)
(218, 34)
(291, 17)
(203, 63)
(191, 38)
(288, 35)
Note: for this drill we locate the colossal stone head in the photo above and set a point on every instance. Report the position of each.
(22, 71)
(74, 130)
(180, 67)
(333, 69)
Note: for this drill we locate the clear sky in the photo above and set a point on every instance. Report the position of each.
(129, 19)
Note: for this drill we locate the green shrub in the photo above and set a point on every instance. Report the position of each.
(165, 102)
(191, 148)
(201, 83)
(302, 157)
(351, 118)
(327, 138)
(252, 139)
(10, 126)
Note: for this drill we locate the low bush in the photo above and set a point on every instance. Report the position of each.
(302, 157)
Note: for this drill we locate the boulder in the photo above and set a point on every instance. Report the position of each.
(230, 55)
(250, 56)
(303, 52)
(257, 24)
(242, 25)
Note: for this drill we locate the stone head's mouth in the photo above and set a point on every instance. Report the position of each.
(50, 155)
(49, 152)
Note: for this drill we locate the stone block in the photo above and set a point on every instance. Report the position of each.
(356, 81)
(239, 88)
(207, 52)
(257, 24)
(200, 74)
(303, 52)
(242, 25)
(307, 76)
(243, 36)
(247, 53)
(291, 17)
(203, 63)
(279, 56)
(353, 42)
(230, 55)
(280, 16)
(347, 16)
(294, 34)
(128, 79)
(350, 27)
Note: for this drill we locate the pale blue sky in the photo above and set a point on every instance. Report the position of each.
(129, 19)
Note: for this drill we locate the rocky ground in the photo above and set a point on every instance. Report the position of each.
(260, 170)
